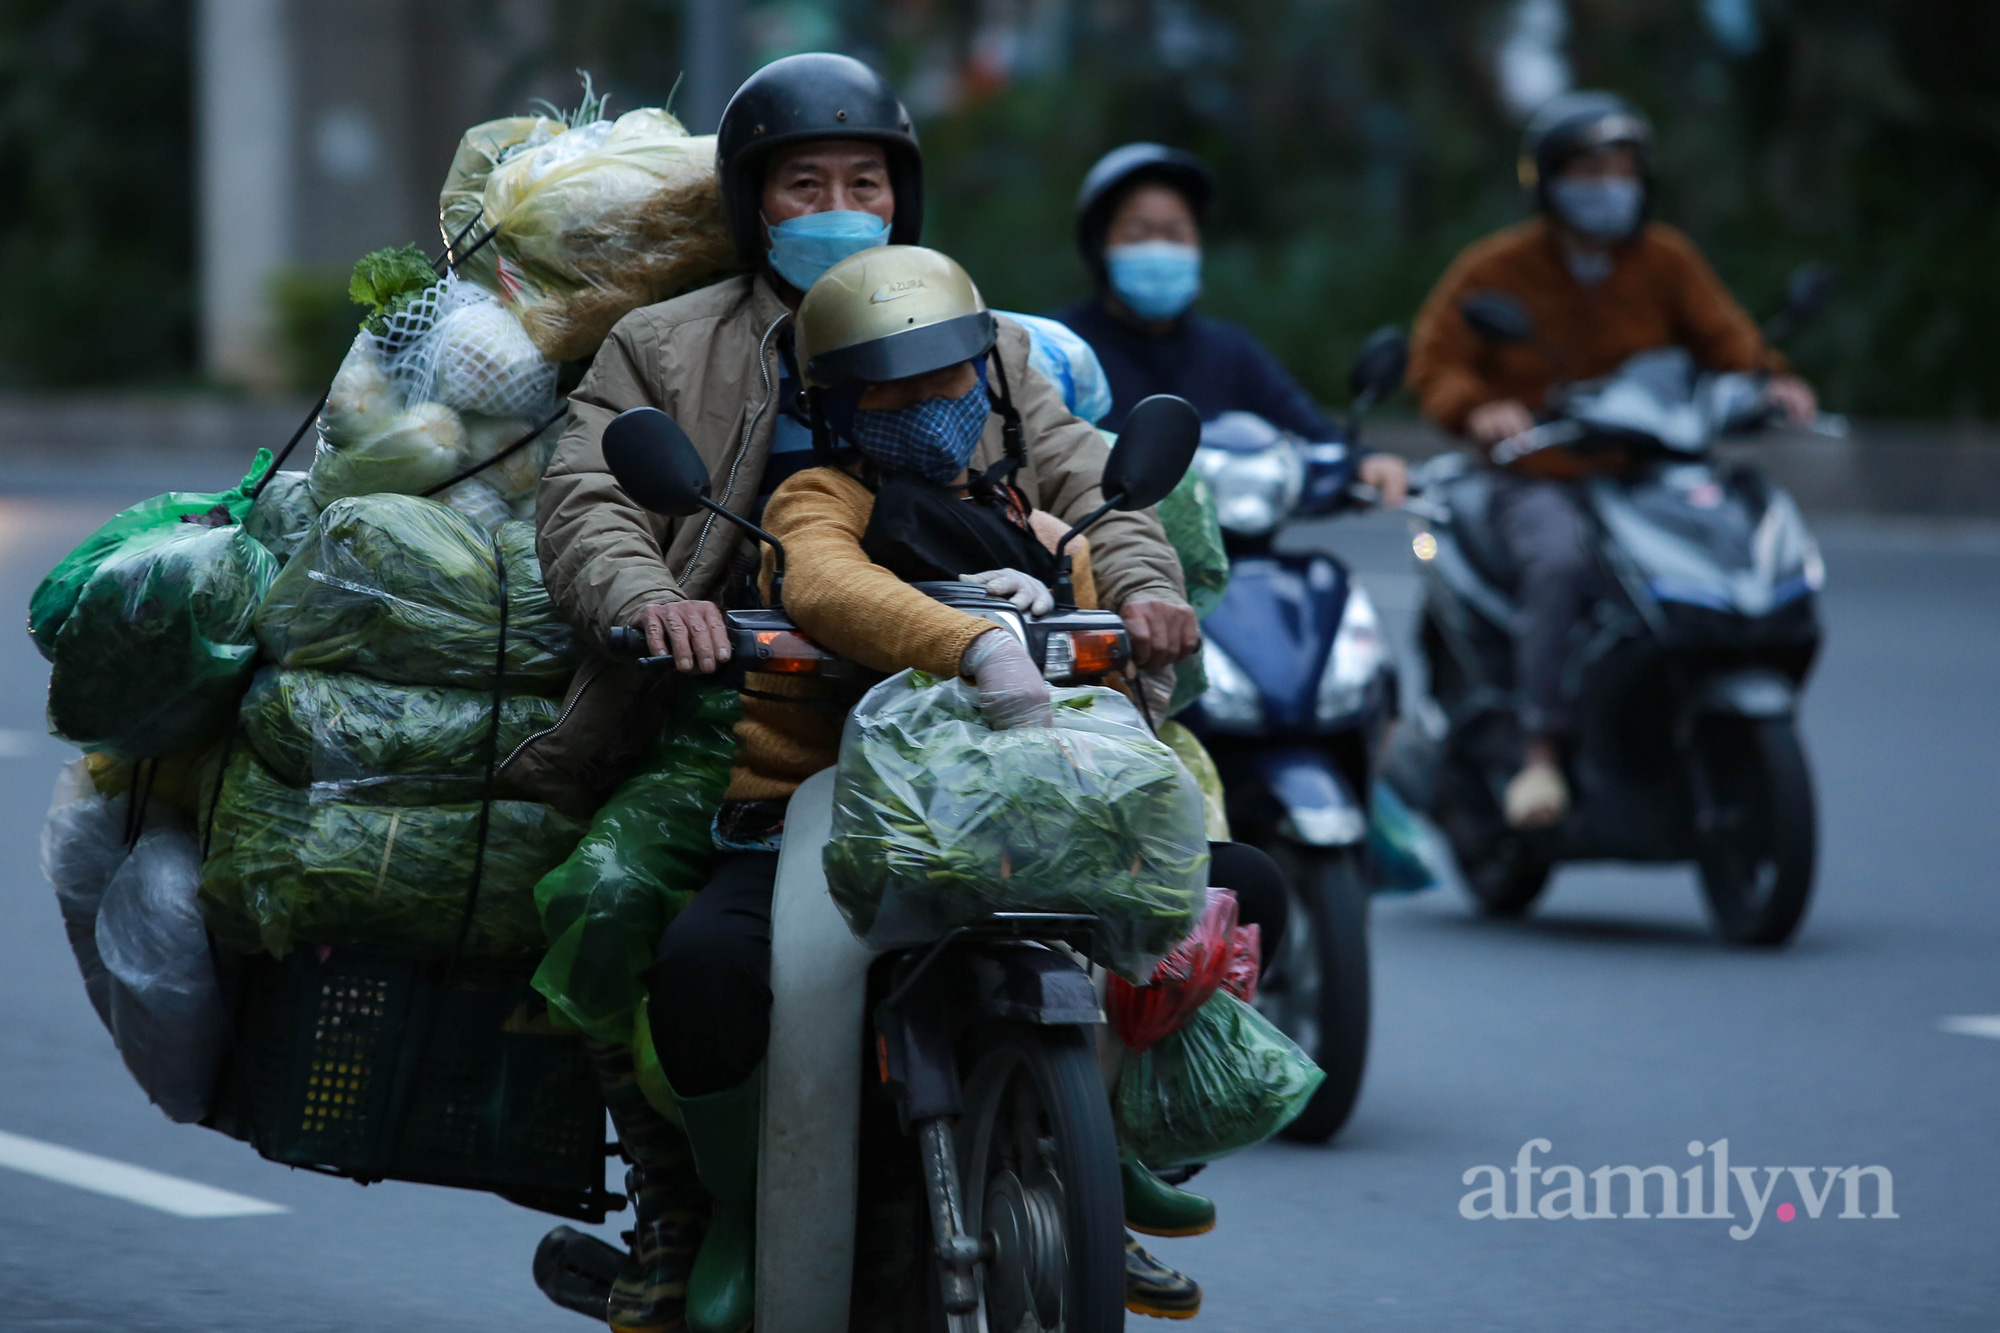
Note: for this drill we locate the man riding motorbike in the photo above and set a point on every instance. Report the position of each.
(815, 161)
(1139, 218)
(1602, 283)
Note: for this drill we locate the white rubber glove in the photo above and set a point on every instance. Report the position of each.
(1012, 692)
(1029, 594)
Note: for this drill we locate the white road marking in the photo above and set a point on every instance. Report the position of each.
(1973, 1025)
(135, 1184)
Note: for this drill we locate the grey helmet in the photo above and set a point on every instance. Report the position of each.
(1572, 124)
(1116, 174)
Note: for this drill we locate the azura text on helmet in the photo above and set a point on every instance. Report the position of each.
(1568, 1196)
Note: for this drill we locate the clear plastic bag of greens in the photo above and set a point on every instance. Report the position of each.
(154, 652)
(648, 851)
(1195, 532)
(590, 221)
(349, 738)
(56, 596)
(939, 821)
(408, 591)
(284, 869)
(167, 1012)
(1226, 1080)
(283, 514)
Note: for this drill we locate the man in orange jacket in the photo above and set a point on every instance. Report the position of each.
(1602, 282)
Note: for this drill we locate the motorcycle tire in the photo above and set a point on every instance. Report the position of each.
(1756, 846)
(1038, 1162)
(1504, 870)
(1317, 989)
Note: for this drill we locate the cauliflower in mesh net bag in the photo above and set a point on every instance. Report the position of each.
(443, 381)
(589, 222)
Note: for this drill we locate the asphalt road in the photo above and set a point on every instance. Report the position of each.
(1609, 1025)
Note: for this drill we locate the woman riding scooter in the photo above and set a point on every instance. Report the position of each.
(905, 371)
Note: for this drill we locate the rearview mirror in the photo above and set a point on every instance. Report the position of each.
(1153, 452)
(1497, 317)
(654, 460)
(1379, 365)
(1810, 288)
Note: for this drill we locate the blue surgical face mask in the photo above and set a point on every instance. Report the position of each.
(1604, 208)
(805, 247)
(933, 439)
(1155, 279)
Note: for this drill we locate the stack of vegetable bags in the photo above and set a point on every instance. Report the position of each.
(1207, 1075)
(939, 821)
(411, 652)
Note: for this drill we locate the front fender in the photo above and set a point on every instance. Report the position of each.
(1756, 692)
(1314, 804)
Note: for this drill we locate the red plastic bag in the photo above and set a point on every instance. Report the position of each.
(1184, 980)
(1246, 949)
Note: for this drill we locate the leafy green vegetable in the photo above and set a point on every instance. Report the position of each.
(285, 869)
(939, 821)
(387, 280)
(407, 591)
(350, 738)
(647, 853)
(1226, 1080)
(159, 642)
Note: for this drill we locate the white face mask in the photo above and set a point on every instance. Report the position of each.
(1604, 208)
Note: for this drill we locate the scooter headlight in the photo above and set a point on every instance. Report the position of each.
(1254, 490)
(1231, 701)
(1358, 655)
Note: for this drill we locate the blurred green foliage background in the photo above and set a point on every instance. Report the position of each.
(1359, 144)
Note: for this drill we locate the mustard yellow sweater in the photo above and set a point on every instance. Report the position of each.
(852, 606)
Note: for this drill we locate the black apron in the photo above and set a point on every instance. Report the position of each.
(922, 532)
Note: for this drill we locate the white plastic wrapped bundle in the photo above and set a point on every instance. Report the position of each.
(167, 1011)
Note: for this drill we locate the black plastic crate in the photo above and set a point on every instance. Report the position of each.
(365, 1064)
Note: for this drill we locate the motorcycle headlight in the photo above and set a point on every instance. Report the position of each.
(1231, 701)
(1358, 654)
(1254, 490)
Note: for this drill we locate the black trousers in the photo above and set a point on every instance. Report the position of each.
(1543, 530)
(709, 988)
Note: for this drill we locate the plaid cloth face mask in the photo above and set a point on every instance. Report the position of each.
(933, 439)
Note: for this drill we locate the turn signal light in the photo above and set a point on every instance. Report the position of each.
(787, 653)
(1099, 652)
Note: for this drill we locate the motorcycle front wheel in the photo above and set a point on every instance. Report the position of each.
(1316, 989)
(1039, 1165)
(1756, 828)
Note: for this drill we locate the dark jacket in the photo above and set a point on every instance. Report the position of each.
(1217, 366)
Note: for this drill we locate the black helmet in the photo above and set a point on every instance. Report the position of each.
(817, 95)
(1572, 124)
(1116, 174)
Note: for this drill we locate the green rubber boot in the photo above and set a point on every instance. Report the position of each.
(649, 1295)
(1156, 1208)
(724, 1128)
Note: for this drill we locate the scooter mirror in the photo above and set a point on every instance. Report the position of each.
(1153, 452)
(1809, 289)
(1497, 317)
(1379, 365)
(655, 461)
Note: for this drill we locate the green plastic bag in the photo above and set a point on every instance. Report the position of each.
(1195, 532)
(647, 853)
(407, 591)
(939, 821)
(56, 596)
(283, 870)
(154, 650)
(1225, 1081)
(349, 738)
